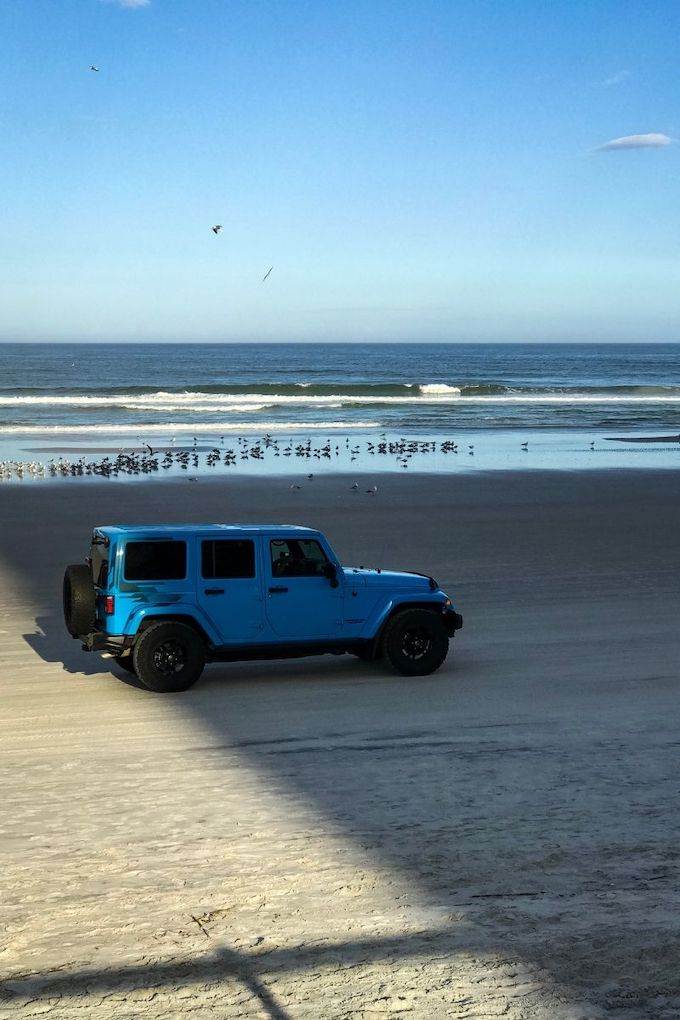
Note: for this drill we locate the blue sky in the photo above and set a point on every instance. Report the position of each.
(413, 171)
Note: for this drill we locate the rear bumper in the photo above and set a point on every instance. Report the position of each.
(453, 621)
(98, 641)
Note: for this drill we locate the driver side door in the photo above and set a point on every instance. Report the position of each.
(301, 603)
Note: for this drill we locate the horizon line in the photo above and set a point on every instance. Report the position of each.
(330, 343)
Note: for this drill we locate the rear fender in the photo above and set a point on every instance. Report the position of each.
(190, 614)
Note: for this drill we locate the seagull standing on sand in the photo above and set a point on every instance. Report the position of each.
(267, 273)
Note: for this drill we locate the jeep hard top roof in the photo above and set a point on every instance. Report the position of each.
(176, 530)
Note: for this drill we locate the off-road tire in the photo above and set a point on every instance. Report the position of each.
(79, 600)
(415, 642)
(125, 662)
(154, 651)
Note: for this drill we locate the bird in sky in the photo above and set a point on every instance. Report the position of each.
(267, 273)
(93, 68)
(216, 229)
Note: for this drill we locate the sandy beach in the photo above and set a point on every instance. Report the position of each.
(318, 838)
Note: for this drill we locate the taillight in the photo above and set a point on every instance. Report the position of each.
(109, 605)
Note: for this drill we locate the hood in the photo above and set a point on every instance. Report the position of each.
(374, 578)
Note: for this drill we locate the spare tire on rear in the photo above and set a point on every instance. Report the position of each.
(79, 600)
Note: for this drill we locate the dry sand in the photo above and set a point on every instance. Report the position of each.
(320, 839)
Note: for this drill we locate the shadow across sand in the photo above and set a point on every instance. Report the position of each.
(251, 969)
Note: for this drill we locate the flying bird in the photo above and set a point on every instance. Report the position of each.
(267, 273)
(93, 68)
(216, 229)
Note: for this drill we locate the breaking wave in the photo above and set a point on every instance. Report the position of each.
(239, 399)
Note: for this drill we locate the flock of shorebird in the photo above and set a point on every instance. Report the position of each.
(145, 460)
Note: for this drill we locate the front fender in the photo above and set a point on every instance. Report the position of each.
(191, 610)
(384, 610)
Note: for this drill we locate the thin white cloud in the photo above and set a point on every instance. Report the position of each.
(650, 141)
(615, 79)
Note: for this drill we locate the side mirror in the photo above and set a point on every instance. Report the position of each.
(331, 572)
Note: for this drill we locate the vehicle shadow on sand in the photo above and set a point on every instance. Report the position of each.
(50, 641)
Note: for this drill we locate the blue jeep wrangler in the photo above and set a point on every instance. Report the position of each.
(165, 599)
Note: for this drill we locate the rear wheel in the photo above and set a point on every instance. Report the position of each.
(168, 657)
(79, 600)
(415, 642)
(125, 662)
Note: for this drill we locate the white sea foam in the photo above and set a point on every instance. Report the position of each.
(440, 388)
(433, 394)
(222, 408)
(188, 428)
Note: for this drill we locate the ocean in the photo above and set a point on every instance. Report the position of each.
(60, 397)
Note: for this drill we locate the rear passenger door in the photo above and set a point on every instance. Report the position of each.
(228, 588)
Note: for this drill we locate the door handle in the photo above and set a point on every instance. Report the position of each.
(214, 591)
(277, 589)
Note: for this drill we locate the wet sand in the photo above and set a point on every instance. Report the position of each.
(317, 838)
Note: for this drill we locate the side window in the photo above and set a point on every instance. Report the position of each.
(155, 561)
(296, 557)
(228, 558)
(99, 564)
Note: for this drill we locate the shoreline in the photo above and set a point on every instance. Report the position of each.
(361, 453)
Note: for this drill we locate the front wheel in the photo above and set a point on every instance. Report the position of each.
(168, 657)
(415, 642)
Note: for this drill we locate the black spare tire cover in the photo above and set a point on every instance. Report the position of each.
(79, 600)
